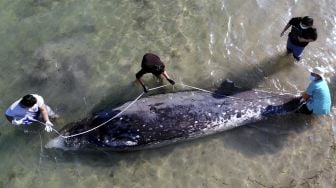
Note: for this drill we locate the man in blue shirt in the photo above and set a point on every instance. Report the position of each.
(317, 95)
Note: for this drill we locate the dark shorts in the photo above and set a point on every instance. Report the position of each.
(296, 50)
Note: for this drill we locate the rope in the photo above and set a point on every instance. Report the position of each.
(87, 131)
(155, 88)
(128, 106)
(209, 91)
(236, 97)
(107, 120)
(274, 93)
(182, 84)
(42, 123)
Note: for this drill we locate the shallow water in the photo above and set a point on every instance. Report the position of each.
(82, 55)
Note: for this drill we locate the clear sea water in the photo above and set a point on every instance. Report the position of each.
(82, 56)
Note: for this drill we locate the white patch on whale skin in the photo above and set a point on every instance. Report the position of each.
(131, 143)
(222, 123)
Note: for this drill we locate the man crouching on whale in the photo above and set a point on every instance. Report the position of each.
(28, 109)
(152, 63)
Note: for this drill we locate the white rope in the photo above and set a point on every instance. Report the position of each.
(196, 88)
(209, 91)
(126, 108)
(283, 93)
(87, 131)
(42, 123)
(271, 92)
(155, 88)
(84, 132)
(107, 120)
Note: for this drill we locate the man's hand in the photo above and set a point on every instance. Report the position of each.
(48, 127)
(300, 39)
(305, 40)
(171, 81)
(17, 122)
(305, 96)
(282, 33)
(145, 88)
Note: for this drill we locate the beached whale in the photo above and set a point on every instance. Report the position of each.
(168, 118)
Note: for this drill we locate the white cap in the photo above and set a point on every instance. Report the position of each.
(319, 71)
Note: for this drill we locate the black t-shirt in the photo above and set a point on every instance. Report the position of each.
(151, 63)
(297, 31)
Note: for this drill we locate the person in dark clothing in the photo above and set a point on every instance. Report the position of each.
(151, 63)
(302, 32)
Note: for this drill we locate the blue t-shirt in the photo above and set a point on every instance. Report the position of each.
(319, 101)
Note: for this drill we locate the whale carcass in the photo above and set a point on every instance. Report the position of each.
(168, 118)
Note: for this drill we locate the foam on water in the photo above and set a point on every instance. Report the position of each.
(57, 142)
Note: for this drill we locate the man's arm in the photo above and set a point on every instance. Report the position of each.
(305, 40)
(285, 29)
(165, 75)
(44, 112)
(305, 96)
(45, 116)
(138, 78)
(310, 37)
(141, 82)
(168, 78)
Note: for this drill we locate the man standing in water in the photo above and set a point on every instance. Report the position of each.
(317, 95)
(29, 108)
(151, 63)
(301, 34)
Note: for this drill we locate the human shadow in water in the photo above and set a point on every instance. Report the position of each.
(250, 77)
